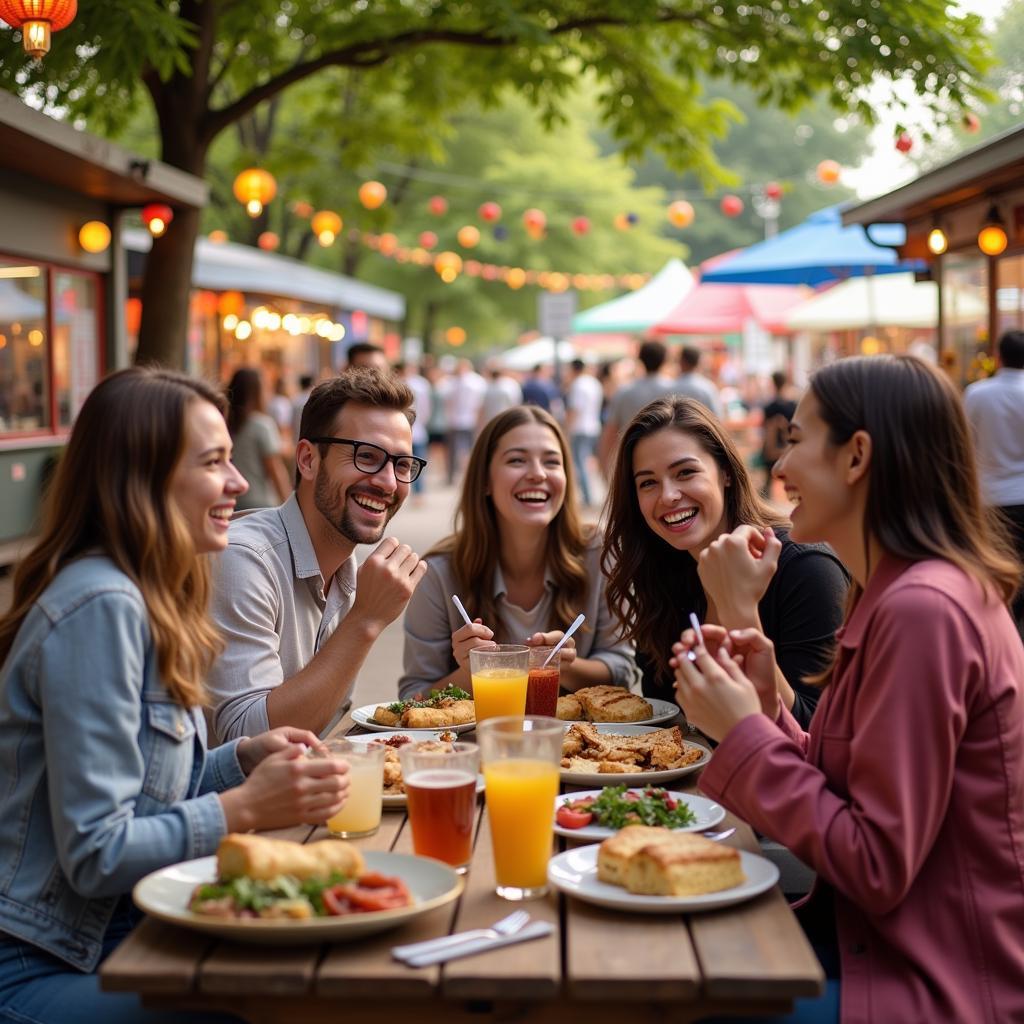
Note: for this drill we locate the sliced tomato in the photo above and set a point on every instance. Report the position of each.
(377, 892)
(632, 795)
(670, 803)
(336, 901)
(567, 817)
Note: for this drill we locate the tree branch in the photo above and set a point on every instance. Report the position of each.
(375, 52)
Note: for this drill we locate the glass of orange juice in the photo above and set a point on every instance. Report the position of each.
(521, 760)
(499, 674)
(361, 813)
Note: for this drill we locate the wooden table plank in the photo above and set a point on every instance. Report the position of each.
(532, 970)
(156, 957)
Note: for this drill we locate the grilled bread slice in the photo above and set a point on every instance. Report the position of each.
(613, 704)
(614, 854)
(684, 865)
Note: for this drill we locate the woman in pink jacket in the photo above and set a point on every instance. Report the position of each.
(907, 793)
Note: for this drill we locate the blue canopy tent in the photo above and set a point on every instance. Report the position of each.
(816, 252)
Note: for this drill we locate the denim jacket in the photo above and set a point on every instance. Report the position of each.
(104, 777)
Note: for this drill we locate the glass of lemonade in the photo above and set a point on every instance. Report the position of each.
(521, 759)
(362, 811)
(440, 790)
(499, 679)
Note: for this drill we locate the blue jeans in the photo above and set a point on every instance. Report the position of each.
(421, 451)
(37, 988)
(583, 446)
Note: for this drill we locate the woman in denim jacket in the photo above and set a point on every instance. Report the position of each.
(103, 758)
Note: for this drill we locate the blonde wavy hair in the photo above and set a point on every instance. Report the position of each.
(111, 493)
(475, 544)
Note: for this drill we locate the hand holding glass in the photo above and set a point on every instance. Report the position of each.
(360, 816)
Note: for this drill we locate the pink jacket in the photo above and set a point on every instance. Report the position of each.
(907, 796)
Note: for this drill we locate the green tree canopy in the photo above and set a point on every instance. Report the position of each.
(204, 65)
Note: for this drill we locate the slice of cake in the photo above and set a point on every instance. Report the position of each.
(686, 865)
(614, 854)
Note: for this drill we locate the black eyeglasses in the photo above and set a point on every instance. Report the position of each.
(371, 458)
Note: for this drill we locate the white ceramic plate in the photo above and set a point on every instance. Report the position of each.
(165, 894)
(416, 735)
(706, 811)
(662, 711)
(575, 872)
(596, 778)
(364, 717)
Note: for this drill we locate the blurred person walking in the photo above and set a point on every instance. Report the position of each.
(257, 442)
(503, 391)
(464, 394)
(540, 390)
(583, 401)
(995, 409)
(692, 384)
(423, 407)
(775, 428)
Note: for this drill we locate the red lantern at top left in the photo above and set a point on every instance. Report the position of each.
(37, 19)
(156, 217)
(255, 188)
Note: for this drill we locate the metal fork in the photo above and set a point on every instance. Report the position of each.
(515, 922)
(717, 836)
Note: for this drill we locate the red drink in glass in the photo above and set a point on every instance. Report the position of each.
(542, 691)
(442, 809)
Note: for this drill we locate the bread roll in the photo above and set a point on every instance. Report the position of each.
(569, 709)
(615, 852)
(382, 716)
(259, 857)
(685, 865)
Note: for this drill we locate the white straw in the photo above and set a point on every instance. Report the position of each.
(577, 622)
(462, 609)
(695, 622)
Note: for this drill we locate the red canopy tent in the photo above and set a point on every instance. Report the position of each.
(725, 308)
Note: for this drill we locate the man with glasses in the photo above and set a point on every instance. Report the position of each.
(297, 616)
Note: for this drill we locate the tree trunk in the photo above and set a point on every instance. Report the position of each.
(166, 289)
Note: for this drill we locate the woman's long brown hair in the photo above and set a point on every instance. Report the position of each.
(111, 493)
(651, 586)
(924, 500)
(476, 543)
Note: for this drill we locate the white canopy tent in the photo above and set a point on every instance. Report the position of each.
(636, 312)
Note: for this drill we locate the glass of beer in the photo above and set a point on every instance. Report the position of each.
(542, 683)
(522, 759)
(360, 816)
(499, 679)
(440, 791)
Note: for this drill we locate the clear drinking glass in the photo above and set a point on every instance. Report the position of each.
(362, 811)
(542, 682)
(521, 762)
(440, 790)
(499, 679)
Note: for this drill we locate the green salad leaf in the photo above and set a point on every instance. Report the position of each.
(257, 894)
(649, 806)
(435, 698)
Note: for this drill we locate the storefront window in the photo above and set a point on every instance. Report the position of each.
(965, 316)
(24, 394)
(75, 342)
(1010, 294)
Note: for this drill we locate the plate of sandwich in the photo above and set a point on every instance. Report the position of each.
(451, 708)
(275, 892)
(615, 704)
(659, 871)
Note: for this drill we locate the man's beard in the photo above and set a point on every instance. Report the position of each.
(333, 506)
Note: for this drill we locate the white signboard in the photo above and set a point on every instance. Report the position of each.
(555, 311)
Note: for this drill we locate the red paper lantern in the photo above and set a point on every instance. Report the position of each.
(904, 143)
(268, 241)
(580, 225)
(773, 190)
(971, 122)
(438, 205)
(38, 19)
(427, 239)
(828, 172)
(489, 212)
(387, 243)
(680, 214)
(731, 206)
(534, 220)
(372, 194)
(156, 217)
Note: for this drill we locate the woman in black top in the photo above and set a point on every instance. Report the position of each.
(687, 532)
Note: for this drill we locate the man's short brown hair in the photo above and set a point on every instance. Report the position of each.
(361, 386)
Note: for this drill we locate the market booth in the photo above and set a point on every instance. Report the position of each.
(63, 284)
(966, 217)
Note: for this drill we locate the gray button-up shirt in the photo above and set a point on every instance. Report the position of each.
(270, 605)
(431, 618)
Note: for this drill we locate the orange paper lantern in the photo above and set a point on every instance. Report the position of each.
(217, 236)
(38, 19)
(94, 236)
(387, 243)
(448, 265)
(255, 188)
(326, 224)
(372, 194)
(268, 241)
(231, 303)
(468, 236)
(828, 172)
(680, 214)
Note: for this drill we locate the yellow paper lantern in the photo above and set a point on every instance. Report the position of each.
(455, 336)
(255, 187)
(94, 236)
(937, 241)
(326, 224)
(515, 278)
(992, 237)
(448, 266)
(468, 236)
(372, 194)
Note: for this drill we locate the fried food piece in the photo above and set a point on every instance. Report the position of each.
(447, 713)
(569, 708)
(384, 717)
(613, 704)
(262, 858)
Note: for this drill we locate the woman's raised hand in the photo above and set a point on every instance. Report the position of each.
(287, 788)
(465, 638)
(566, 656)
(735, 570)
(252, 750)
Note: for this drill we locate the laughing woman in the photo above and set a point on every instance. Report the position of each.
(687, 532)
(522, 563)
(907, 793)
(102, 738)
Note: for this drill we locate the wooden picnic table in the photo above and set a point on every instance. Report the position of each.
(599, 966)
